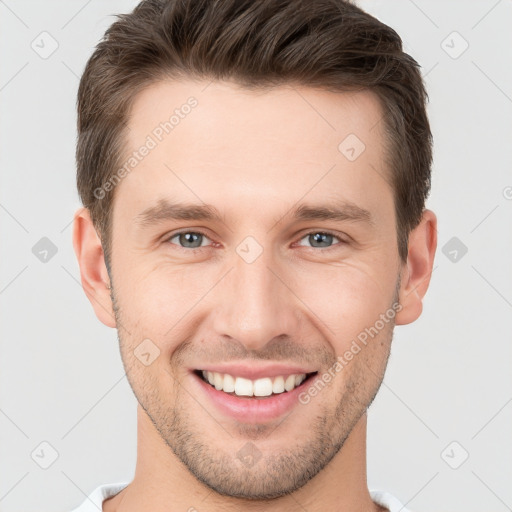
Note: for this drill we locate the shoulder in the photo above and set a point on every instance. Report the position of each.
(388, 501)
(95, 499)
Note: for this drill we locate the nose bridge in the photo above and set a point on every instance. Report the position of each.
(255, 306)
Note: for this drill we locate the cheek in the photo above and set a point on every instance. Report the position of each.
(155, 298)
(147, 342)
(345, 299)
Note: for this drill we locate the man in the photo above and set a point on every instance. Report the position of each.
(254, 176)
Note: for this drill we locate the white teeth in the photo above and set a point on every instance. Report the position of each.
(229, 384)
(278, 385)
(259, 387)
(263, 387)
(289, 383)
(218, 380)
(243, 387)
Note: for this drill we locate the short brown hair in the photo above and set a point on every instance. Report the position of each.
(328, 44)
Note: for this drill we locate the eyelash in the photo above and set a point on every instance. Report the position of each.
(198, 232)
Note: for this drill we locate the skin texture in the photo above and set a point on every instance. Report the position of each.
(254, 156)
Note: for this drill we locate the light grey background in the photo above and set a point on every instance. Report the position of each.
(448, 379)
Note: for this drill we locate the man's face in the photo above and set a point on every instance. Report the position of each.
(260, 286)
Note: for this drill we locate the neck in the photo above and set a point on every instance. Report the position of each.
(163, 484)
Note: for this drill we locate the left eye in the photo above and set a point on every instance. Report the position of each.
(189, 239)
(320, 239)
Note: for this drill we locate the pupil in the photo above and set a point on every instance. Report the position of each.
(190, 238)
(322, 238)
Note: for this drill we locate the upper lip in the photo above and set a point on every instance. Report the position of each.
(254, 372)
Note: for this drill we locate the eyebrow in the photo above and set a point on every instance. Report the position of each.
(165, 210)
(342, 211)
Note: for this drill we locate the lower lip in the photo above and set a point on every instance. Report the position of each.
(253, 410)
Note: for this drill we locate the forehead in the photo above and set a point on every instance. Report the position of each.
(284, 142)
(291, 111)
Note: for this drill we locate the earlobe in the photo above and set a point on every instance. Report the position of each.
(417, 271)
(93, 271)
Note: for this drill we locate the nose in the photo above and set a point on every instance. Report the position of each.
(256, 303)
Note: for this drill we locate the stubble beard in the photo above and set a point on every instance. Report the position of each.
(275, 474)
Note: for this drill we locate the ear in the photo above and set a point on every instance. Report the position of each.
(418, 269)
(93, 271)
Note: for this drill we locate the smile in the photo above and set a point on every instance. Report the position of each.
(263, 387)
(253, 401)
